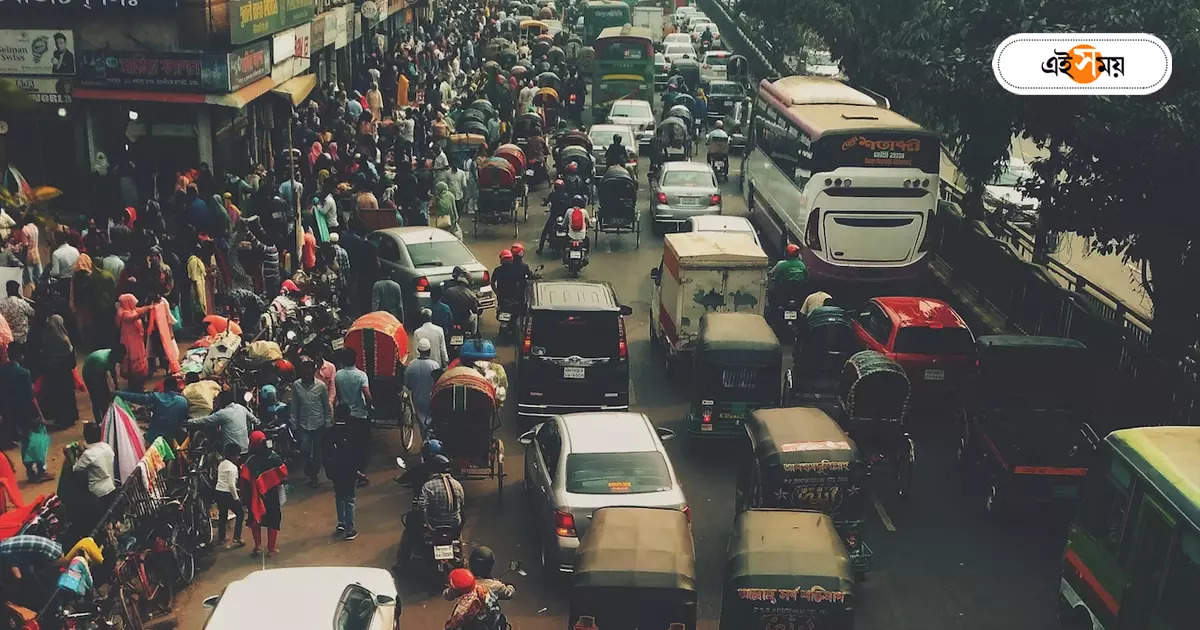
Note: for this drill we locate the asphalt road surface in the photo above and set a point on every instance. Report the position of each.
(939, 562)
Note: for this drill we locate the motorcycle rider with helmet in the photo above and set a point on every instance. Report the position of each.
(616, 154)
(438, 503)
(518, 252)
(576, 185)
(481, 562)
(476, 607)
(788, 279)
(464, 304)
(715, 153)
(578, 221)
(559, 201)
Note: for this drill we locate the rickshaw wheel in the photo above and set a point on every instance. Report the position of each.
(408, 427)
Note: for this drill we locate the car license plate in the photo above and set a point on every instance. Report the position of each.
(456, 340)
(443, 552)
(575, 255)
(705, 427)
(337, 344)
(789, 315)
(504, 317)
(935, 375)
(691, 202)
(573, 372)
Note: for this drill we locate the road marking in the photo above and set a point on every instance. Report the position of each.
(883, 515)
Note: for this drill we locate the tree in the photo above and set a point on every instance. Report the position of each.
(1120, 169)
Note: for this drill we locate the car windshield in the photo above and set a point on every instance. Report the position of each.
(940, 341)
(688, 179)
(617, 473)
(680, 49)
(439, 254)
(589, 335)
(724, 89)
(717, 60)
(631, 110)
(603, 137)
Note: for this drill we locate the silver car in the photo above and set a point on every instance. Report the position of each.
(419, 258)
(684, 190)
(635, 114)
(580, 462)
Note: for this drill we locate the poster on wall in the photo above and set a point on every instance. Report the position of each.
(37, 51)
(44, 90)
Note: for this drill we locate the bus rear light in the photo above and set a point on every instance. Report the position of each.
(828, 181)
(906, 183)
(846, 182)
(812, 237)
(925, 183)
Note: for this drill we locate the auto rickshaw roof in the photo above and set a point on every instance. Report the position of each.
(1169, 457)
(788, 549)
(637, 547)
(799, 435)
(738, 339)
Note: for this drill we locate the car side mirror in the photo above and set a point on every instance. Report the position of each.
(384, 600)
(656, 274)
(664, 434)
(626, 311)
(526, 438)
(210, 602)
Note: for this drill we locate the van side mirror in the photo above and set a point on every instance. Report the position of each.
(626, 311)
(526, 438)
(384, 600)
(210, 602)
(656, 274)
(664, 434)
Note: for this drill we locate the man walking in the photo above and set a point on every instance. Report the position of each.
(353, 405)
(419, 378)
(431, 332)
(312, 415)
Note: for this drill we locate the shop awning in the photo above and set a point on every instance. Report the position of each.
(297, 88)
(242, 97)
(143, 96)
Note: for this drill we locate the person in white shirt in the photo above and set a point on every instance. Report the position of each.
(815, 300)
(97, 462)
(436, 337)
(62, 261)
(227, 497)
(328, 208)
(525, 98)
(578, 222)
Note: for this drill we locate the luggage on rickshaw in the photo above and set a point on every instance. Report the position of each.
(635, 568)
(800, 458)
(675, 136)
(498, 195)
(617, 210)
(465, 417)
(787, 570)
(822, 346)
(873, 392)
(516, 157)
(736, 369)
(381, 345)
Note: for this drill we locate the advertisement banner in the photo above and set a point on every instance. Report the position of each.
(252, 19)
(189, 72)
(34, 51)
(248, 65)
(337, 19)
(47, 91)
(94, 7)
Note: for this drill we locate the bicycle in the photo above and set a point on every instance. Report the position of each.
(142, 590)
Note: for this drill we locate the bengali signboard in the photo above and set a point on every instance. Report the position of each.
(94, 7)
(37, 51)
(187, 72)
(45, 90)
(253, 19)
(249, 64)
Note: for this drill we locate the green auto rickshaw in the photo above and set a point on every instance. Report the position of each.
(636, 568)
(787, 569)
(800, 458)
(737, 368)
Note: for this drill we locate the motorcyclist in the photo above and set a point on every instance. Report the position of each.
(518, 252)
(416, 476)
(578, 221)
(706, 38)
(789, 277)
(616, 154)
(481, 562)
(575, 184)
(718, 137)
(558, 201)
(440, 500)
(457, 293)
(507, 280)
(656, 153)
(475, 606)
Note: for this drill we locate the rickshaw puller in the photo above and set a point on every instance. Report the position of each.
(616, 154)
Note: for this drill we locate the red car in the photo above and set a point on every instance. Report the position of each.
(924, 335)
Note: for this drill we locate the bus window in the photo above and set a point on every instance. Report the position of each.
(1180, 608)
(1108, 504)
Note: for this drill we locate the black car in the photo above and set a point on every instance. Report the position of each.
(574, 355)
(722, 96)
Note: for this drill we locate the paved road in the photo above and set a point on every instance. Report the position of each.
(939, 562)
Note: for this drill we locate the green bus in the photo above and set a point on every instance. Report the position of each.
(1133, 551)
(623, 68)
(601, 14)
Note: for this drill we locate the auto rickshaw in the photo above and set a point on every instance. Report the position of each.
(636, 568)
(800, 458)
(787, 569)
(464, 413)
(381, 345)
(689, 69)
(822, 346)
(874, 392)
(736, 369)
(676, 138)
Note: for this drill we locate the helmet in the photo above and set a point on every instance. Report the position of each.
(257, 437)
(579, 200)
(506, 255)
(289, 286)
(459, 272)
(284, 367)
(462, 580)
(720, 123)
(617, 138)
(558, 184)
(572, 168)
(481, 561)
(440, 462)
(792, 250)
(431, 448)
(518, 249)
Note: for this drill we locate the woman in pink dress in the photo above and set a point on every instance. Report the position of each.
(133, 336)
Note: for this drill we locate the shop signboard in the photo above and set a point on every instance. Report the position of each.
(337, 19)
(249, 64)
(187, 72)
(252, 19)
(45, 90)
(92, 7)
(37, 51)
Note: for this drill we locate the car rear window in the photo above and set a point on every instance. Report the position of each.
(919, 340)
(691, 179)
(617, 473)
(725, 89)
(588, 335)
(439, 253)
(680, 49)
(603, 137)
(717, 60)
(631, 110)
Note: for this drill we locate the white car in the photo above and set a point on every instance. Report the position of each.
(342, 598)
(682, 14)
(820, 63)
(602, 135)
(721, 223)
(675, 52)
(677, 38)
(712, 67)
(697, 31)
(635, 114)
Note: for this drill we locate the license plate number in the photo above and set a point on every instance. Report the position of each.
(789, 315)
(705, 427)
(575, 255)
(456, 340)
(691, 202)
(504, 317)
(443, 552)
(573, 372)
(337, 344)
(935, 375)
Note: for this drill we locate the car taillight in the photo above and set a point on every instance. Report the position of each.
(422, 284)
(622, 346)
(687, 511)
(661, 197)
(527, 344)
(487, 277)
(564, 524)
(812, 237)
(715, 200)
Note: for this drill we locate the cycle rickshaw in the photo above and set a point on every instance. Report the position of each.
(516, 158)
(381, 345)
(497, 194)
(465, 416)
(874, 394)
(617, 213)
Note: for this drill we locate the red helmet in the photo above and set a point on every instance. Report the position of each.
(792, 250)
(462, 579)
(572, 167)
(517, 249)
(285, 367)
(558, 184)
(506, 255)
(289, 286)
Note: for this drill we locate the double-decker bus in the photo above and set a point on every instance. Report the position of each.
(601, 14)
(623, 68)
(1132, 558)
(833, 169)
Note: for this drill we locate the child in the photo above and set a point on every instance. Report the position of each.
(227, 496)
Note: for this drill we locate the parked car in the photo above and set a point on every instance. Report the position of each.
(317, 597)
(580, 462)
(419, 258)
(684, 190)
(602, 136)
(721, 223)
(925, 336)
(635, 114)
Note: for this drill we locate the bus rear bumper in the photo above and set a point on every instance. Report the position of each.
(823, 273)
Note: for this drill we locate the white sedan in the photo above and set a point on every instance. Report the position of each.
(721, 223)
(342, 598)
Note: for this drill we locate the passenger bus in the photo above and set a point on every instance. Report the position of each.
(601, 14)
(833, 169)
(1132, 558)
(623, 68)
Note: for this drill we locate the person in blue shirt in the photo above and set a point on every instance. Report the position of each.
(441, 313)
(169, 409)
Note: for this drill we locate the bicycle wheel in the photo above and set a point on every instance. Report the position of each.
(127, 607)
(408, 425)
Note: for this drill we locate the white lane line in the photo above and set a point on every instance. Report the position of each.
(883, 515)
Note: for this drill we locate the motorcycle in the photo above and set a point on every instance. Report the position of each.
(440, 551)
(575, 257)
(788, 312)
(455, 337)
(720, 166)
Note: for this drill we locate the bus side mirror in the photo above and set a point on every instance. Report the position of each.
(626, 311)
(656, 274)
